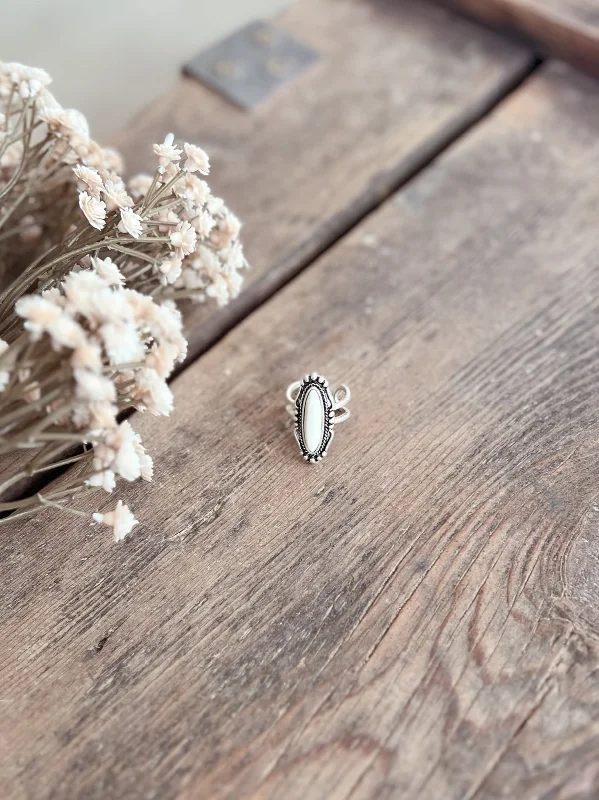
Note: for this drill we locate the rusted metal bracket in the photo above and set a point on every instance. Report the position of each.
(251, 64)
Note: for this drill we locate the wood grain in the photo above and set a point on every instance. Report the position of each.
(568, 29)
(416, 616)
(395, 84)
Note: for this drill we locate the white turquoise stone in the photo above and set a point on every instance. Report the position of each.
(313, 420)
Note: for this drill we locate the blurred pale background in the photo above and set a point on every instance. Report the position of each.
(108, 58)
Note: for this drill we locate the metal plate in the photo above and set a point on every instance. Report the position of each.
(251, 64)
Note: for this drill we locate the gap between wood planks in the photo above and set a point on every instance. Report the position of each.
(265, 288)
(262, 290)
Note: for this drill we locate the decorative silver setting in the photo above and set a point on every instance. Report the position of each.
(315, 412)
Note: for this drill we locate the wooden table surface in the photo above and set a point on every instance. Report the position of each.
(418, 615)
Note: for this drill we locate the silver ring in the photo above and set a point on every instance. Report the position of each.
(316, 411)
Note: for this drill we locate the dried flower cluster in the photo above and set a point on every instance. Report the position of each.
(89, 326)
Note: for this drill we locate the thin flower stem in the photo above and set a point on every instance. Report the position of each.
(19, 171)
(156, 209)
(46, 502)
(13, 479)
(32, 183)
(135, 254)
(68, 259)
(119, 367)
(146, 200)
(46, 454)
(8, 141)
(34, 433)
(167, 186)
(74, 489)
(23, 411)
(62, 463)
(56, 437)
(140, 272)
(28, 513)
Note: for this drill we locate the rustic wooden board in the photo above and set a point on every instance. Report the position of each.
(568, 29)
(416, 616)
(395, 83)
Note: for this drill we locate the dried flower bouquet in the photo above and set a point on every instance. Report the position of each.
(89, 327)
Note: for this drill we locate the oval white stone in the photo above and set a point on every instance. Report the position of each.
(313, 420)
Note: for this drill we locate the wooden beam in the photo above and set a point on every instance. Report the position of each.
(416, 616)
(568, 29)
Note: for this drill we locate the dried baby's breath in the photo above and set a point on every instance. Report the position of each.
(89, 328)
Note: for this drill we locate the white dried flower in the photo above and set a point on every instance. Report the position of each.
(88, 356)
(139, 186)
(197, 159)
(105, 480)
(53, 295)
(219, 290)
(208, 262)
(121, 520)
(102, 417)
(235, 282)
(115, 194)
(38, 312)
(193, 189)
(167, 152)
(130, 223)
(233, 256)
(86, 293)
(119, 452)
(94, 210)
(183, 239)
(171, 269)
(108, 270)
(112, 161)
(122, 342)
(146, 465)
(90, 178)
(162, 358)
(215, 205)
(226, 231)
(151, 393)
(28, 81)
(65, 332)
(69, 124)
(93, 388)
(203, 223)
(194, 282)
(169, 173)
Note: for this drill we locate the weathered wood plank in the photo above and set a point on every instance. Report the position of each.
(568, 29)
(417, 615)
(396, 82)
